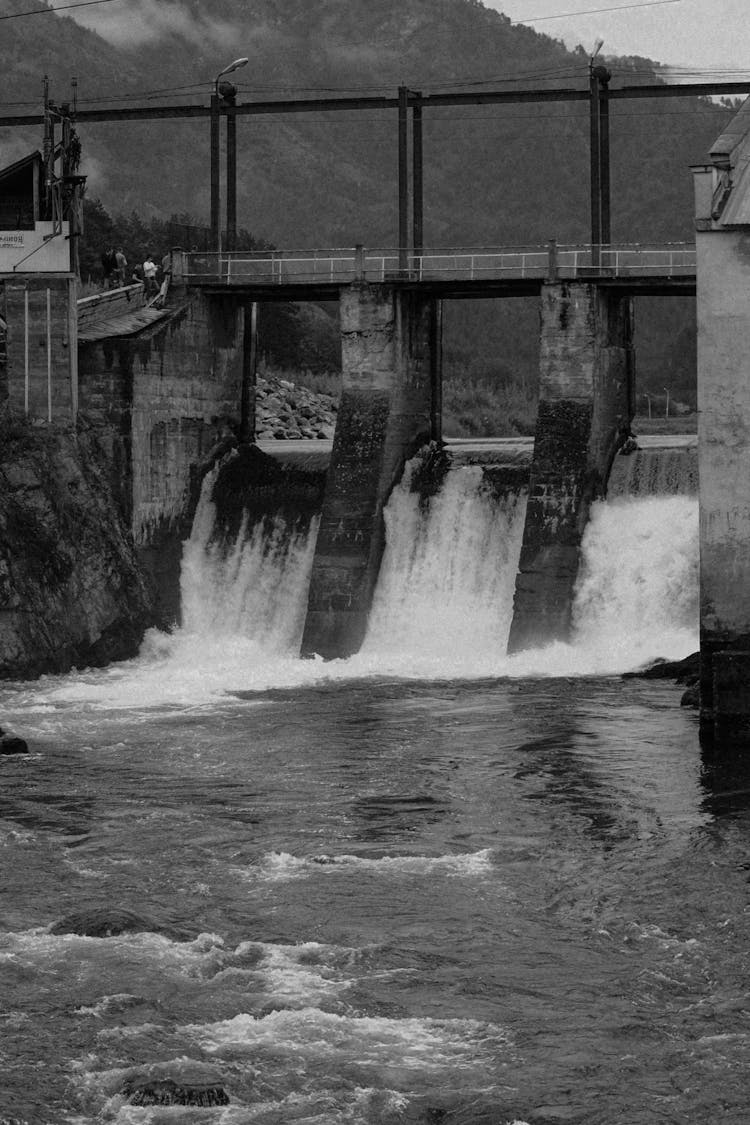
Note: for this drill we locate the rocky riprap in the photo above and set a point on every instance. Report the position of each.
(685, 672)
(183, 1082)
(287, 411)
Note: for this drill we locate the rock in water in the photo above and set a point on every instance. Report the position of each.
(103, 922)
(166, 1092)
(12, 744)
(182, 1082)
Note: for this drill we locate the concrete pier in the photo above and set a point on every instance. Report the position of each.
(390, 384)
(724, 472)
(161, 399)
(585, 408)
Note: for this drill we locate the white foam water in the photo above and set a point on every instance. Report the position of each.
(442, 607)
(282, 867)
(257, 589)
(447, 576)
(411, 1044)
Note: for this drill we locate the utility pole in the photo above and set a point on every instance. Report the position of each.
(599, 78)
(417, 177)
(228, 95)
(215, 172)
(223, 94)
(403, 176)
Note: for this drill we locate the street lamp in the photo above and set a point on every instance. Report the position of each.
(216, 154)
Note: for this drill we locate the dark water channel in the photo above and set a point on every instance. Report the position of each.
(378, 902)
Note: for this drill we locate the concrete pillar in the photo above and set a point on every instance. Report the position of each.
(585, 408)
(723, 272)
(391, 371)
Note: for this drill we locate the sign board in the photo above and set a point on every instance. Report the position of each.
(35, 251)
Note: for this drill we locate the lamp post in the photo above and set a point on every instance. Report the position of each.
(216, 154)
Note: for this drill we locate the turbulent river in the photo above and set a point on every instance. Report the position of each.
(430, 884)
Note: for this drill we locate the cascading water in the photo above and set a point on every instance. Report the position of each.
(443, 603)
(254, 588)
(445, 590)
(444, 600)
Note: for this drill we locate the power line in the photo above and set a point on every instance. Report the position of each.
(595, 11)
(59, 8)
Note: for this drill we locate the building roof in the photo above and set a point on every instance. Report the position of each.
(34, 157)
(735, 132)
(730, 156)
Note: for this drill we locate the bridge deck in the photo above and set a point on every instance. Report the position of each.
(503, 270)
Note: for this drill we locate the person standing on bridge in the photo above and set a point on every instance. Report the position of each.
(122, 265)
(109, 267)
(149, 276)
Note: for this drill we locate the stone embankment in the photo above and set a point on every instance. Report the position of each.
(71, 590)
(288, 411)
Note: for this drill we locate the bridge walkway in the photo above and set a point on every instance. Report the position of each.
(281, 274)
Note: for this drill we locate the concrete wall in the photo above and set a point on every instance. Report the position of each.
(724, 453)
(40, 312)
(162, 400)
(390, 377)
(585, 407)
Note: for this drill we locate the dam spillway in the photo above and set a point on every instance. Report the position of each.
(444, 597)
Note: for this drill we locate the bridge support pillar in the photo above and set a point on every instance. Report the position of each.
(391, 375)
(585, 408)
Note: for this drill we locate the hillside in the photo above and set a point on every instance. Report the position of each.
(509, 174)
(492, 173)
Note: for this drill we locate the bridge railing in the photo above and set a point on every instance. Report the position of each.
(347, 264)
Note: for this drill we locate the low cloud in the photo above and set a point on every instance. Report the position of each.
(147, 22)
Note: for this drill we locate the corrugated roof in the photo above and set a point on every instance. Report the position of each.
(127, 324)
(734, 134)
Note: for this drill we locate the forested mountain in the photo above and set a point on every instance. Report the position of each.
(509, 174)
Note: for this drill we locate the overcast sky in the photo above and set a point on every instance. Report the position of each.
(707, 34)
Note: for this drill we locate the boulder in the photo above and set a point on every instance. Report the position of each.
(691, 697)
(12, 744)
(164, 1091)
(104, 922)
(679, 670)
(181, 1082)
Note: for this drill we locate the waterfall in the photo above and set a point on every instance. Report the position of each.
(637, 591)
(448, 572)
(255, 587)
(442, 606)
(655, 470)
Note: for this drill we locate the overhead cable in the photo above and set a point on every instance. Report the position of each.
(59, 8)
(596, 11)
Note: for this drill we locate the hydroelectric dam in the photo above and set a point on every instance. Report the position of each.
(170, 386)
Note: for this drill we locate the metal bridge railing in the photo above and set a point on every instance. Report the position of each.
(342, 266)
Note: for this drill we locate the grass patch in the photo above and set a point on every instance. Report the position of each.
(481, 408)
(678, 424)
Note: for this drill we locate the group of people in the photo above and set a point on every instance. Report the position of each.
(115, 268)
